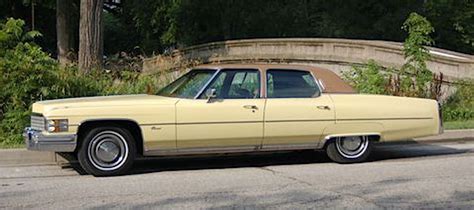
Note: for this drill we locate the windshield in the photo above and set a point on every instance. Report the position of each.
(188, 85)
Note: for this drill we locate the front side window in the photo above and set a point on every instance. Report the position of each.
(291, 84)
(188, 85)
(236, 84)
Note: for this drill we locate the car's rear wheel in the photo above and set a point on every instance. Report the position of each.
(107, 151)
(349, 149)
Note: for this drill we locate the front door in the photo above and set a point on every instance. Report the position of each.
(296, 112)
(232, 120)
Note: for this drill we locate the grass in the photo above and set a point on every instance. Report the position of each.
(453, 125)
(12, 146)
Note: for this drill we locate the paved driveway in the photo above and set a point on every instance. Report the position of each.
(410, 175)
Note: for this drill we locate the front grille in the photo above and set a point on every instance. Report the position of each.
(37, 122)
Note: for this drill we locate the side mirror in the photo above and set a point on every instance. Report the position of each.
(210, 94)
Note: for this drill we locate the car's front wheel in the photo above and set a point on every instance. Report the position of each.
(349, 149)
(107, 151)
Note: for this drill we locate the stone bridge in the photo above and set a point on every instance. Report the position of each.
(335, 54)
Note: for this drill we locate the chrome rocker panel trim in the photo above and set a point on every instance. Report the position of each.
(231, 149)
(35, 140)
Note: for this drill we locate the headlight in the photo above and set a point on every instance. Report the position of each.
(59, 125)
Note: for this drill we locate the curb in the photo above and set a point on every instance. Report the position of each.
(448, 136)
(23, 157)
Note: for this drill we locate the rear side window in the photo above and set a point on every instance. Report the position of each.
(291, 84)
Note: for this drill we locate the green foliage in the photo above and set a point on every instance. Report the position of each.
(154, 22)
(416, 54)
(460, 105)
(454, 125)
(12, 33)
(156, 25)
(29, 74)
(453, 22)
(119, 35)
(187, 22)
(413, 79)
(26, 71)
(369, 79)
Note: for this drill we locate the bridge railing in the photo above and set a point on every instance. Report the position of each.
(334, 54)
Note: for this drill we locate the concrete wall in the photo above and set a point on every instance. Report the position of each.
(334, 54)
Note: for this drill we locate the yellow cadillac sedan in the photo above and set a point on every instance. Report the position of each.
(231, 108)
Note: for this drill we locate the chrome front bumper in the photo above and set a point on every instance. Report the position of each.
(35, 140)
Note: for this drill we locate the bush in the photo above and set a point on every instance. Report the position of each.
(416, 55)
(413, 79)
(460, 105)
(29, 75)
(369, 79)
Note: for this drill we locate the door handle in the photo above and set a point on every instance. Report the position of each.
(324, 107)
(250, 107)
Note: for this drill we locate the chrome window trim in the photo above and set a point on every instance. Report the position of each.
(223, 69)
(207, 83)
(322, 84)
(316, 80)
(187, 71)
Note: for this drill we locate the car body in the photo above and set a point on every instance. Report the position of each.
(229, 108)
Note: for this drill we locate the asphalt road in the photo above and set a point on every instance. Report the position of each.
(399, 176)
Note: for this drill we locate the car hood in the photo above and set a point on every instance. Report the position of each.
(101, 101)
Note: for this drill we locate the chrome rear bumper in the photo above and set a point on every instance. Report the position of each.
(440, 115)
(35, 140)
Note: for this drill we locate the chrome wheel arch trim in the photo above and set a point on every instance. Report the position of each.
(106, 119)
(140, 131)
(330, 137)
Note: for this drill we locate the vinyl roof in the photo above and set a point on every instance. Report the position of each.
(331, 81)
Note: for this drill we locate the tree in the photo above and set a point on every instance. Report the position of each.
(91, 38)
(64, 30)
(453, 20)
(416, 54)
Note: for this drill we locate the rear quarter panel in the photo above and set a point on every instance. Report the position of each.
(395, 118)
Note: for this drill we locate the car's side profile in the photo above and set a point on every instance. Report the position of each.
(229, 108)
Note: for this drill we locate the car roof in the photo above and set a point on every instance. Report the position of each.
(331, 81)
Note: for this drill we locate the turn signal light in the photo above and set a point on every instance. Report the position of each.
(58, 125)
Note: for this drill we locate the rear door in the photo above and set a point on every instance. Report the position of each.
(296, 112)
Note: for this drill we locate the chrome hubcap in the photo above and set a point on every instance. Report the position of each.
(108, 150)
(352, 146)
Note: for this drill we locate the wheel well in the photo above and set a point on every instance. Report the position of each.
(372, 137)
(125, 124)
